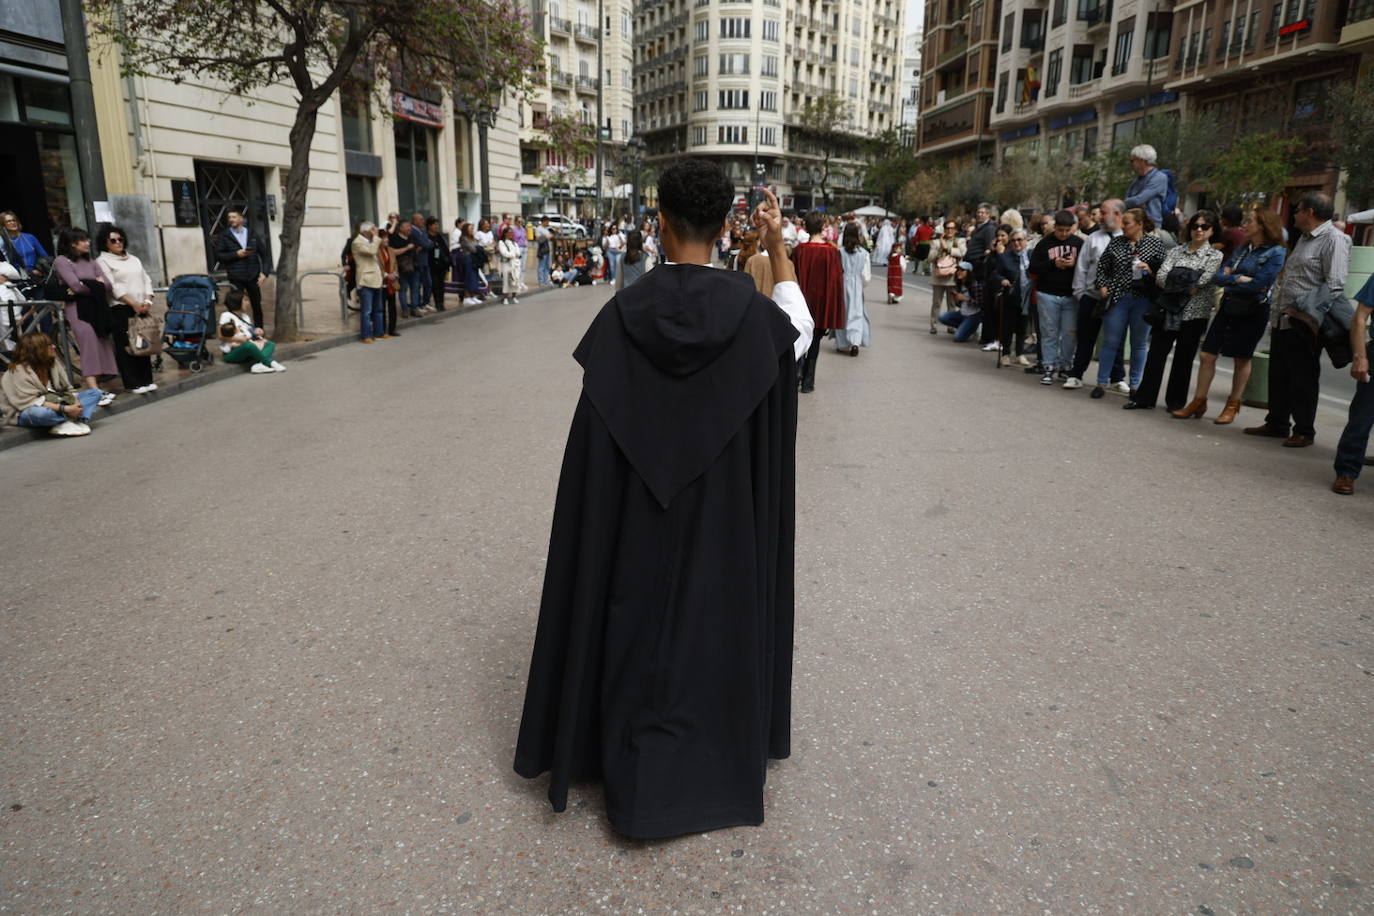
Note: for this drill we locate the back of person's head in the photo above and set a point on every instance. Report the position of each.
(233, 300)
(1170, 224)
(815, 222)
(1232, 215)
(1271, 228)
(35, 351)
(634, 246)
(1065, 218)
(694, 197)
(850, 239)
(1012, 218)
(1320, 205)
(67, 239)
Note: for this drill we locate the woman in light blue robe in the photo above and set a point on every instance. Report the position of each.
(857, 272)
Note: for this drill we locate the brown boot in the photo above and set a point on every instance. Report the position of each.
(1195, 409)
(1228, 413)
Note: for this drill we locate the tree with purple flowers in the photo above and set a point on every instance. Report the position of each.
(480, 50)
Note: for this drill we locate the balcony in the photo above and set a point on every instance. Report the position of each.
(560, 25)
(1033, 43)
(1084, 90)
(561, 78)
(1097, 15)
(1360, 10)
(588, 84)
(585, 33)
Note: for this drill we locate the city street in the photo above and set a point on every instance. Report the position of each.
(265, 644)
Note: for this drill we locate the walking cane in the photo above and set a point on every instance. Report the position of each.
(1001, 305)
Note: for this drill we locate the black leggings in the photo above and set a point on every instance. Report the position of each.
(134, 371)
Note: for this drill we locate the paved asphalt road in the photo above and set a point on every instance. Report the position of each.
(264, 649)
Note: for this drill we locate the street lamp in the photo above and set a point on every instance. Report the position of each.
(634, 154)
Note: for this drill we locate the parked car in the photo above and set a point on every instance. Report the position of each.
(561, 225)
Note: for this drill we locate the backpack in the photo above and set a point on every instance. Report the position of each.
(145, 335)
(1171, 193)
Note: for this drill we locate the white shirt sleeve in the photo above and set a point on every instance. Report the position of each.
(789, 298)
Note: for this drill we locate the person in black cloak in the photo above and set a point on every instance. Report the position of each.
(662, 661)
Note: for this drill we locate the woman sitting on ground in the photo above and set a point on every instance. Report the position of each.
(240, 341)
(35, 390)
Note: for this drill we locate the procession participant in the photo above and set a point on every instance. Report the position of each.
(662, 661)
(822, 281)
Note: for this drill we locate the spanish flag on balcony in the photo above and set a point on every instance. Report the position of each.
(1030, 90)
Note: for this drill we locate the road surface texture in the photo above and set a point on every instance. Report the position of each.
(265, 647)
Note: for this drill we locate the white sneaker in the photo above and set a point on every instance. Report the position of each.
(277, 367)
(515, 300)
(259, 369)
(1024, 362)
(69, 428)
(988, 348)
(1122, 387)
(1072, 382)
(142, 389)
(471, 301)
(152, 386)
(106, 399)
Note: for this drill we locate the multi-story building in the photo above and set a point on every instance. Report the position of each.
(911, 86)
(959, 60)
(1270, 66)
(575, 84)
(727, 79)
(1074, 76)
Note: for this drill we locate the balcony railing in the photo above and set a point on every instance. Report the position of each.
(1083, 90)
(560, 25)
(561, 78)
(1360, 10)
(585, 32)
(588, 83)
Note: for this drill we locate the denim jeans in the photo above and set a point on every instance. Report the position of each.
(423, 288)
(544, 268)
(1058, 330)
(613, 264)
(1127, 314)
(371, 302)
(42, 417)
(964, 325)
(410, 291)
(1355, 440)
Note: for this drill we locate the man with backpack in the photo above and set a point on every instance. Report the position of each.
(1153, 188)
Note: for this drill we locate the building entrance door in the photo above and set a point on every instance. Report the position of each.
(222, 187)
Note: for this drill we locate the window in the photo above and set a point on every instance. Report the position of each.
(853, 88)
(732, 133)
(1123, 131)
(1089, 142)
(854, 56)
(735, 27)
(1203, 46)
(1008, 26)
(733, 98)
(1225, 33)
(701, 30)
(1251, 30)
(733, 64)
(1053, 72)
(770, 30)
(1238, 36)
(1081, 67)
(768, 136)
(698, 136)
(768, 100)
(625, 24)
(1273, 24)
(1158, 34)
(1122, 59)
(582, 68)
(1311, 100)
(1061, 13)
(770, 65)
(701, 66)
(1002, 81)
(856, 25)
(700, 100)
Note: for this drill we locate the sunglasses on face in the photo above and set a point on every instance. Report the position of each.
(115, 240)
(1202, 227)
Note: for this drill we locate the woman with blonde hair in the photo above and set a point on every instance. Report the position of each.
(35, 391)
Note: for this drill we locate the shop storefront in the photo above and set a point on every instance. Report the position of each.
(416, 128)
(39, 178)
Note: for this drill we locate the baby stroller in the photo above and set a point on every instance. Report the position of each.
(190, 320)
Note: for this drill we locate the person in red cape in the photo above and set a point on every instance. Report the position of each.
(821, 278)
(894, 274)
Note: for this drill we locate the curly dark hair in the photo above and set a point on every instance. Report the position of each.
(695, 196)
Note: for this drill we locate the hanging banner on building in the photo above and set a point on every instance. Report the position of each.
(417, 110)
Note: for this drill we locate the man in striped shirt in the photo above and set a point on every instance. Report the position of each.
(1320, 260)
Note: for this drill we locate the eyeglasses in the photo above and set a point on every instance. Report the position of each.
(1202, 227)
(114, 240)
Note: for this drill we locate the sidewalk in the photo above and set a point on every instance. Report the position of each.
(321, 329)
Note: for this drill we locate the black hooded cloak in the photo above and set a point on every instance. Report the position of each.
(663, 657)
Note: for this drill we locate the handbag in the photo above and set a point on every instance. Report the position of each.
(946, 266)
(145, 335)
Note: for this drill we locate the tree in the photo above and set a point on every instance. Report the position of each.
(576, 140)
(1186, 147)
(1254, 167)
(823, 120)
(969, 186)
(1354, 131)
(890, 164)
(923, 192)
(1025, 182)
(314, 46)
